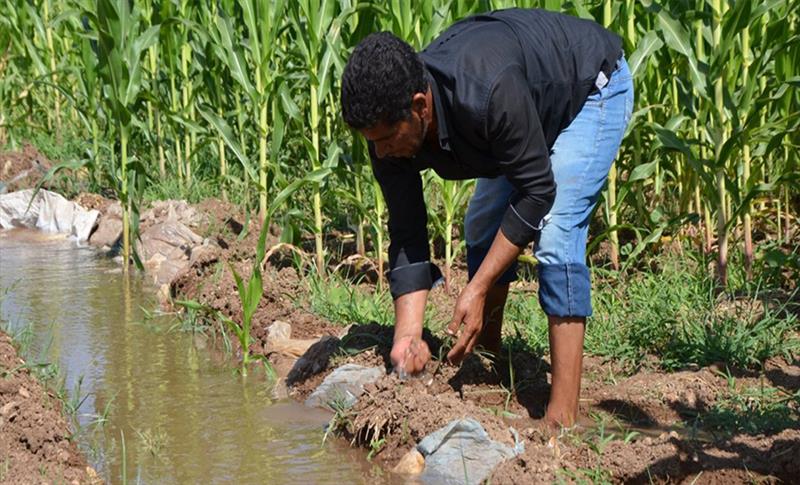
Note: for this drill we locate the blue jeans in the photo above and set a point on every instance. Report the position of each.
(581, 158)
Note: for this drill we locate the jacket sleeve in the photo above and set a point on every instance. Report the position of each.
(410, 268)
(517, 142)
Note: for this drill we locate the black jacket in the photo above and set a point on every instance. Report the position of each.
(504, 85)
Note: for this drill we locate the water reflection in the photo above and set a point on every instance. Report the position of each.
(185, 419)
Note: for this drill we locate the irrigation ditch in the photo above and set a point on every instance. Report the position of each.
(704, 424)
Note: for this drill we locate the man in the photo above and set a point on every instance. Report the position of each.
(532, 103)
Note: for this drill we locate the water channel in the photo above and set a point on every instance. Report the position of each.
(186, 416)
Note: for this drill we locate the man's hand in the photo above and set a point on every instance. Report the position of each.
(469, 307)
(409, 352)
(409, 355)
(469, 312)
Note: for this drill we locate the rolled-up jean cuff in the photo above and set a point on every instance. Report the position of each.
(565, 290)
(423, 275)
(475, 256)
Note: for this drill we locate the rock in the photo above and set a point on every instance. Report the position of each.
(178, 210)
(172, 239)
(314, 360)
(107, 233)
(344, 385)
(279, 330)
(346, 330)
(462, 452)
(291, 347)
(6, 386)
(168, 270)
(24, 393)
(164, 295)
(114, 210)
(412, 463)
(279, 340)
(204, 253)
(5, 411)
(279, 390)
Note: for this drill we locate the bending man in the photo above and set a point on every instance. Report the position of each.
(532, 103)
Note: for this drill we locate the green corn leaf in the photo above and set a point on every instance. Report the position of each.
(233, 59)
(278, 131)
(225, 131)
(649, 44)
(643, 171)
(679, 40)
(288, 103)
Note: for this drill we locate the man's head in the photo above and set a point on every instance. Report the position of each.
(385, 95)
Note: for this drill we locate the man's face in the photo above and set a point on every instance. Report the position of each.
(402, 139)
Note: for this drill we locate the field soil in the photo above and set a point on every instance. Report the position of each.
(22, 169)
(651, 426)
(34, 435)
(644, 427)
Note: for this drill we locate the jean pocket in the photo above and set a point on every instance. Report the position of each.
(629, 100)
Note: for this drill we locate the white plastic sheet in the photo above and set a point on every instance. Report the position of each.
(46, 211)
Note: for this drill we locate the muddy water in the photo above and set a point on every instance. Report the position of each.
(184, 417)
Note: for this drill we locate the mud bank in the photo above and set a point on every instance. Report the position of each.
(34, 435)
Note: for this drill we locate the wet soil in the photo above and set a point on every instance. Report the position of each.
(35, 445)
(648, 417)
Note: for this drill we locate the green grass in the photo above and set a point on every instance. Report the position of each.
(752, 409)
(675, 314)
(340, 301)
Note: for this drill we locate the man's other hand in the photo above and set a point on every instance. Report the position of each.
(469, 312)
(409, 355)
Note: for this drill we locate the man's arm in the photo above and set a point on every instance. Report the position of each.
(469, 307)
(409, 352)
(515, 134)
(411, 272)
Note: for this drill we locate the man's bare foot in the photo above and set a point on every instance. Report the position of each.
(409, 355)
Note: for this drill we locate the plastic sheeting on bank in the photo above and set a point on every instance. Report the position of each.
(46, 211)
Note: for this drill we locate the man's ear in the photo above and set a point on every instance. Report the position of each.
(419, 104)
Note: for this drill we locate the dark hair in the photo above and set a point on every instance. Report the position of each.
(381, 76)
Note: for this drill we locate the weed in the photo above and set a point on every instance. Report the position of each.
(197, 318)
(594, 476)
(673, 314)
(270, 372)
(404, 434)
(341, 419)
(124, 456)
(340, 301)
(375, 446)
(152, 440)
(752, 409)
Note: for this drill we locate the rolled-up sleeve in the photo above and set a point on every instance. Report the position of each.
(518, 144)
(410, 268)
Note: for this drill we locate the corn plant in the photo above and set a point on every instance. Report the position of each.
(241, 90)
(446, 213)
(122, 41)
(317, 26)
